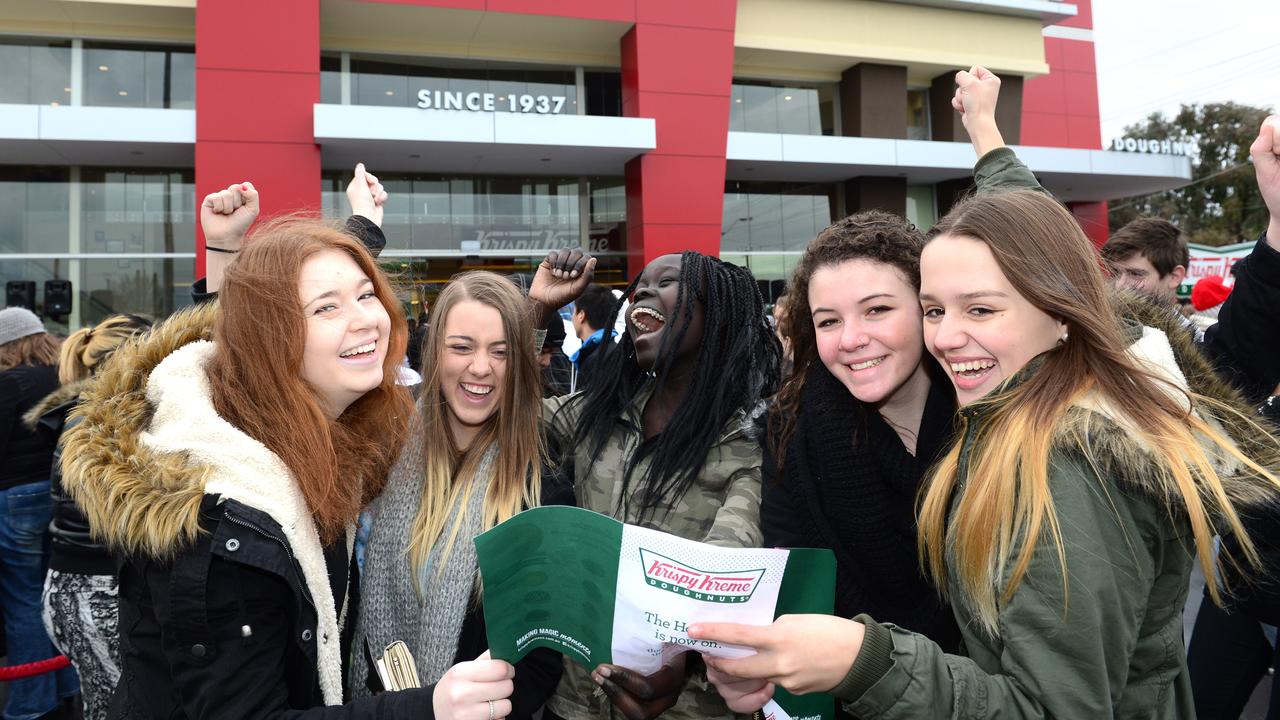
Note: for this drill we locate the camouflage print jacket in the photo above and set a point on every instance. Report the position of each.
(722, 508)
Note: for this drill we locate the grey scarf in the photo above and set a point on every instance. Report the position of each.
(425, 609)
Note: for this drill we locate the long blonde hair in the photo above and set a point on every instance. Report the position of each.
(1006, 501)
(84, 350)
(515, 427)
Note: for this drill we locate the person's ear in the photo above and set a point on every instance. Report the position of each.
(1177, 275)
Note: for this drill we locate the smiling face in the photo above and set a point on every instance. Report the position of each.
(473, 367)
(866, 324)
(347, 328)
(978, 326)
(654, 306)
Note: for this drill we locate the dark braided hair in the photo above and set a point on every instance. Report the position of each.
(738, 364)
(869, 235)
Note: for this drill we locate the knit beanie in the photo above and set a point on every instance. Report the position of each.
(17, 323)
(1209, 292)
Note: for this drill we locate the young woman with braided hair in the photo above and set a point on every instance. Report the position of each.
(662, 438)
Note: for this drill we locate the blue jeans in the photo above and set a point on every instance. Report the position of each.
(25, 511)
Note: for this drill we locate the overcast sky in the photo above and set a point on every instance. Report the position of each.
(1157, 54)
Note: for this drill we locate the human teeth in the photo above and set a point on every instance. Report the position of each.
(972, 366)
(477, 389)
(368, 348)
(640, 322)
(868, 364)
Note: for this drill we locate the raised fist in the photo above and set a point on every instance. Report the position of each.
(366, 195)
(226, 215)
(977, 92)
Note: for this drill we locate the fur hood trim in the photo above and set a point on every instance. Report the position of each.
(137, 501)
(191, 451)
(1167, 348)
(63, 395)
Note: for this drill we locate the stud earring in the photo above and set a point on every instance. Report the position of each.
(1065, 334)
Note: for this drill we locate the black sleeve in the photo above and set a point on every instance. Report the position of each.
(537, 676)
(364, 230)
(10, 395)
(781, 518)
(359, 227)
(236, 677)
(1245, 342)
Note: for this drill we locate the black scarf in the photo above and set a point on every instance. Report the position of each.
(853, 486)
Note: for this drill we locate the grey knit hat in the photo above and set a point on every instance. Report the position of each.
(17, 323)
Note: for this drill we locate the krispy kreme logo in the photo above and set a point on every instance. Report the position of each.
(722, 587)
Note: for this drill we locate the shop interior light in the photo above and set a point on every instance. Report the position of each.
(66, 89)
(737, 100)
(391, 92)
(786, 97)
(103, 68)
(55, 103)
(124, 93)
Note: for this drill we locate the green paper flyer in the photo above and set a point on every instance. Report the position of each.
(600, 591)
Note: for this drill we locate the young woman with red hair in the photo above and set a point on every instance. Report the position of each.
(226, 456)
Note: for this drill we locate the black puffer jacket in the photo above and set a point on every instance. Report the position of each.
(24, 454)
(74, 548)
(230, 607)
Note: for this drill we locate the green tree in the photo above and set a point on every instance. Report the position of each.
(1221, 205)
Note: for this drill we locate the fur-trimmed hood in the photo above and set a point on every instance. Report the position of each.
(136, 500)
(54, 400)
(1166, 345)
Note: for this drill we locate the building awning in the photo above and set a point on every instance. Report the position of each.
(452, 141)
(129, 137)
(1073, 175)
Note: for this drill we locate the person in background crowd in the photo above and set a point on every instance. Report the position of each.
(662, 437)
(592, 313)
(557, 370)
(226, 457)
(28, 372)
(1110, 463)
(81, 598)
(779, 313)
(1150, 256)
(473, 459)
(1207, 297)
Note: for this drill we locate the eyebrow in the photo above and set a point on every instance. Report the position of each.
(872, 296)
(970, 296)
(334, 293)
(468, 338)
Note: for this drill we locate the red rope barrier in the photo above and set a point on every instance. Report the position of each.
(18, 672)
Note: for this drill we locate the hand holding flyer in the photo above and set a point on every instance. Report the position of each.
(599, 591)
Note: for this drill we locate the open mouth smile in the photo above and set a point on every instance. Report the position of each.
(360, 352)
(647, 320)
(866, 364)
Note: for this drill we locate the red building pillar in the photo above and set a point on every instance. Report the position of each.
(677, 67)
(257, 77)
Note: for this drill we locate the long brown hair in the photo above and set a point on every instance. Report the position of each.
(515, 428)
(84, 350)
(871, 235)
(340, 465)
(36, 349)
(1006, 502)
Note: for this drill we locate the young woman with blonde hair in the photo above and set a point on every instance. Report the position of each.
(226, 457)
(475, 457)
(81, 589)
(1095, 458)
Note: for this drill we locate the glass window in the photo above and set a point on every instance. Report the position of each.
(330, 79)
(138, 211)
(34, 203)
(772, 108)
(154, 286)
(35, 72)
(604, 93)
(773, 217)
(486, 213)
(145, 76)
(922, 210)
(918, 115)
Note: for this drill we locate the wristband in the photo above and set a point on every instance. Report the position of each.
(221, 250)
